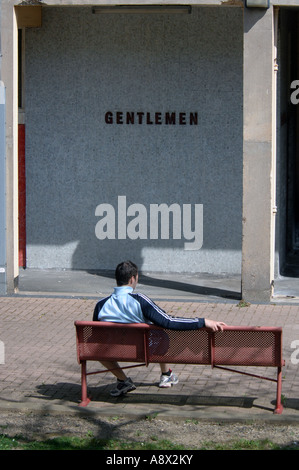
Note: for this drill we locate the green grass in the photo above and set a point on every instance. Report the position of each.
(76, 443)
(90, 443)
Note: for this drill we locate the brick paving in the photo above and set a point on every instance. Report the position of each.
(40, 367)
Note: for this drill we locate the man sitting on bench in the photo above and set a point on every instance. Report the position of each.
(124, 306)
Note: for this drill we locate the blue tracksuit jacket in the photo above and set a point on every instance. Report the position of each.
(124, 306)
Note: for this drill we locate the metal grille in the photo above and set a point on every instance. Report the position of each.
(184, 347)
(111, 344)
(260, 347)
(148, 343)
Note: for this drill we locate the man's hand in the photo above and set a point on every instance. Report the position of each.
(214, 325)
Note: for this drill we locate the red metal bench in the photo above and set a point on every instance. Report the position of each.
(143, 344)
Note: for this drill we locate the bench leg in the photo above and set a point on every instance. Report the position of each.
(84, 398)
(279, 408)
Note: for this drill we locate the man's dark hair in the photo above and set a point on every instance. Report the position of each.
(124, 271)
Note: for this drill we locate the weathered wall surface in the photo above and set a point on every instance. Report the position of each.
(79, 66)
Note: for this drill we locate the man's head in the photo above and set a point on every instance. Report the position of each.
(124, 273)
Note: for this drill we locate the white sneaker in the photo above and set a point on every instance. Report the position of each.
(166, 381)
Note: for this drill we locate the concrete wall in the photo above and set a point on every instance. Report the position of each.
(78, 67)
(259, 173)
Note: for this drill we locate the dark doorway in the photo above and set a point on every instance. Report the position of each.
(290, 136)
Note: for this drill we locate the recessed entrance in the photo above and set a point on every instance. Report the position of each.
(290, 139)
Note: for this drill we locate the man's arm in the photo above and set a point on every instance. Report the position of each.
(159, 317)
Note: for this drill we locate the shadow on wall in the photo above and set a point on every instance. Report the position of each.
(182, 283)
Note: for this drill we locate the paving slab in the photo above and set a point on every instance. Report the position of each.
(39, 369)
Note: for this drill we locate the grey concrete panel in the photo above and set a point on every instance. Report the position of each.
(78, 67)
(258, 171)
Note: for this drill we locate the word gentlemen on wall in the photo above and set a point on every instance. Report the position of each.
(152, 118)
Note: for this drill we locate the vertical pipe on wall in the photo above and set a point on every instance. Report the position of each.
(274, 144)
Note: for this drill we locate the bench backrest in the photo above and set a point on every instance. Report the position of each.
(236, 345)
(110, 341)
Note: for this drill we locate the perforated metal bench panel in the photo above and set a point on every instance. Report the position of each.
(248, 346)
(181, 347)
(110, 342)
(141, 342)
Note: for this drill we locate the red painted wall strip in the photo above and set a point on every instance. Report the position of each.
(22, 197)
